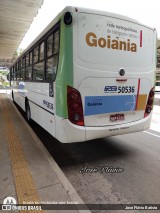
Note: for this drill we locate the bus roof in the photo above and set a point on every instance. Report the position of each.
(74, 10)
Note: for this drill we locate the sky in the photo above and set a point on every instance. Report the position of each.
(146, 12)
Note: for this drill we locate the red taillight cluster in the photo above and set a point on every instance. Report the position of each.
(75, 108)
(150, 101)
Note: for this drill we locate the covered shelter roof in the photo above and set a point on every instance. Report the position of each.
(16, 17)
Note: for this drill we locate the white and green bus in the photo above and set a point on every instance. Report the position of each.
(89, 74)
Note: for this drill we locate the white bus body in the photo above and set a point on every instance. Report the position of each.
(104, 82)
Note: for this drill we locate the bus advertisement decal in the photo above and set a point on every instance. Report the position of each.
(108, 104)
(141, 102)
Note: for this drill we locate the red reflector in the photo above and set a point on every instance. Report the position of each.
(75, 108)
(151, 94)
(150, 101)
(73, 95)
(141, 38)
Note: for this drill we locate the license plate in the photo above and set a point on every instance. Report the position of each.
(117, 117)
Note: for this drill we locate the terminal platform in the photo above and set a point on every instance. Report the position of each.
(28, 172)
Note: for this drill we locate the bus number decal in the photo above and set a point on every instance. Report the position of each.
(119, 89)
(126, 89)
(47, 104)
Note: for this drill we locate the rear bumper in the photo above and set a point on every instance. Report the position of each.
(71, 133)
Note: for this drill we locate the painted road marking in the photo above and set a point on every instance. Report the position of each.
(24, 183)
(152, 134)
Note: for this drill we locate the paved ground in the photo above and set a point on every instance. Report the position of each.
(137, 154)
(28, 172)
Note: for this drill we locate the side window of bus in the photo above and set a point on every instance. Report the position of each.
(11, 74)
(27, 60)
(52, 56)
(28, 66)
(50, 46)
(38, 66)
(41, 51)
(35, 54)
(18, 70)
(56, 43)
(22, 70)
(14, 74)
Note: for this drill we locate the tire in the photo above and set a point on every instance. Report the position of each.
(28, 112)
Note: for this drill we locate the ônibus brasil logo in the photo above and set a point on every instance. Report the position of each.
(8, 203)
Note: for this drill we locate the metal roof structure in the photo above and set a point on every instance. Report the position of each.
(16, 17)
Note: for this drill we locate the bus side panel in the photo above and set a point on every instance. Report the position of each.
(41, 105)
(65, 69)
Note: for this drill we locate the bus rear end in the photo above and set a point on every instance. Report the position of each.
(113, 76)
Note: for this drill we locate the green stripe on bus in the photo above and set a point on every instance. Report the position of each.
(65, 69)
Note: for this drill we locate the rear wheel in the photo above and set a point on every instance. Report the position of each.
(28, 112)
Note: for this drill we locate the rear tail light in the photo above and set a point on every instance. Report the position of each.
(75, 108)
(150, 101)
